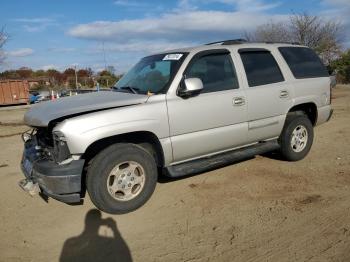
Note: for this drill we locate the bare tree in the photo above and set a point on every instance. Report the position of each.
(270, 32)
(322, 35)
(3, 39)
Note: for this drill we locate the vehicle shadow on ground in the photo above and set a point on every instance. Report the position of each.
(90, 245)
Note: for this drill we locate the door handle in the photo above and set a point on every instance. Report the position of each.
(284, 94)
(238, 101)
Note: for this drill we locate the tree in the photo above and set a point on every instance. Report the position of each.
(324, 36)
(106, 78)
(342, 67)
(24, 72)
(3, 39)
(56, 77)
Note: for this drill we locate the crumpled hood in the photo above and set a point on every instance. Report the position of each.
(44, 112)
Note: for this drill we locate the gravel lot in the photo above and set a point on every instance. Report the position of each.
(263, 209)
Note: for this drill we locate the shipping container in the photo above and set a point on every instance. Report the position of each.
(14, 92)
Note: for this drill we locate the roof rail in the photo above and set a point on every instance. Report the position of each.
(282, 42)
(229, 42)
(242, 41)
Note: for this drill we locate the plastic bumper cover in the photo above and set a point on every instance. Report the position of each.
(61, 182)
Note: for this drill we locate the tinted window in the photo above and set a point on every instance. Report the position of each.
(261, 68)
(216, 72)
(303, 62)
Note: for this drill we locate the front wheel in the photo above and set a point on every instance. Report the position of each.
(121, 178)
(296, 137)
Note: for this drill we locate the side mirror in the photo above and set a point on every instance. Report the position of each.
(190, 87)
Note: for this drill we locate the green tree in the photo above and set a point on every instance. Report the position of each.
(106, 78)
(342, 67)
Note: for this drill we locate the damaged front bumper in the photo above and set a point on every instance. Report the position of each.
(59, 181)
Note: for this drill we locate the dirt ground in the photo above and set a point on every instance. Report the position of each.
(257, 210)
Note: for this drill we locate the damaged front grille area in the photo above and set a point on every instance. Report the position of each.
(49, 145)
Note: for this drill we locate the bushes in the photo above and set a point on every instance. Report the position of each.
(341, 67)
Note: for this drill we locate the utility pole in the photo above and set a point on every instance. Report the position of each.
(76, 77)
(104, 54)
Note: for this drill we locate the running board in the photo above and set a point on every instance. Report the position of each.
(219, 160)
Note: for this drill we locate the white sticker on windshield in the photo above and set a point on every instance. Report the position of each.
(172, 57)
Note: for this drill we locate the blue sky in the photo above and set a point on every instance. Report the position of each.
(58, 34)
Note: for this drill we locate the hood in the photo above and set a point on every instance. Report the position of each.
(41, 114)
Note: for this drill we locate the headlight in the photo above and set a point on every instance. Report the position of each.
(61, 150)
(58, 136)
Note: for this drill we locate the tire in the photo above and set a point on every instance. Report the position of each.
(115, 164)
(290, 149)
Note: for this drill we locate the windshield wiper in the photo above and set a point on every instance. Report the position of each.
(132, 89)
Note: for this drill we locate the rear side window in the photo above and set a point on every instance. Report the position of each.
(303, 62)
(261, 68)
(216, 72)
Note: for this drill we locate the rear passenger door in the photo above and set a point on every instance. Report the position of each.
(268, 94)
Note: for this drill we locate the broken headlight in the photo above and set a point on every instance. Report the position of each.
(61, 150)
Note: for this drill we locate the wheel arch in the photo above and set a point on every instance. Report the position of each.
(145, 139)
(309, 109)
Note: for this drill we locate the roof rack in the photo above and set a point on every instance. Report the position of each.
(229, 42)
(243, 41)
(281, 42)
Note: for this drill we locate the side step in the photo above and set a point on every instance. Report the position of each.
(211, 162)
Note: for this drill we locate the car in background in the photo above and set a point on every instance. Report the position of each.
(33, 97)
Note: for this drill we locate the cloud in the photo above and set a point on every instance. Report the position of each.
(126, 3)
(338, 11)
(142, 46)
(249, 5)
(198, 26)
(37, 24)
(34, 20)
(20, 52)
(61, 49)
(47, 67)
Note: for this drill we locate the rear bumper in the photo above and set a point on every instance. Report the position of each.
(61, 182)
(324, 114)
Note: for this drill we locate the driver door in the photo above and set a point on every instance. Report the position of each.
(216, 119)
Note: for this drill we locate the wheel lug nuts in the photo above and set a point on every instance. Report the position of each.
(129, 174)
(123, 186)
(132, 179)
(119, 182)
(129, 185)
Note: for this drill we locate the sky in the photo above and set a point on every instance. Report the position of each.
(86, 33)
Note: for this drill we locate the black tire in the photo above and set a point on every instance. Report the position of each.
(101, 167)
(292, 122)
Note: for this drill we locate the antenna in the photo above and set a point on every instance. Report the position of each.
(104, 54)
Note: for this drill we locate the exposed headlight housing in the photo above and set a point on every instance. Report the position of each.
(61, 150)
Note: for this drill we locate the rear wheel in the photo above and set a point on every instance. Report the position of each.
(296, 137)
(121, 178)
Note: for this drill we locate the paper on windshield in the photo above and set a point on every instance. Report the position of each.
(172, 57)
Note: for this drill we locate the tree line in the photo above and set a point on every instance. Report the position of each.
(68, 78)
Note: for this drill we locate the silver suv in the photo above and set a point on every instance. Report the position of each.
(176, 113)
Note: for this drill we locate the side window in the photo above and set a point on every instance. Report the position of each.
(303, 62)
(261, 68)
(216, 72)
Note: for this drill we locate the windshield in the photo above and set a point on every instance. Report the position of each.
(152, 74)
